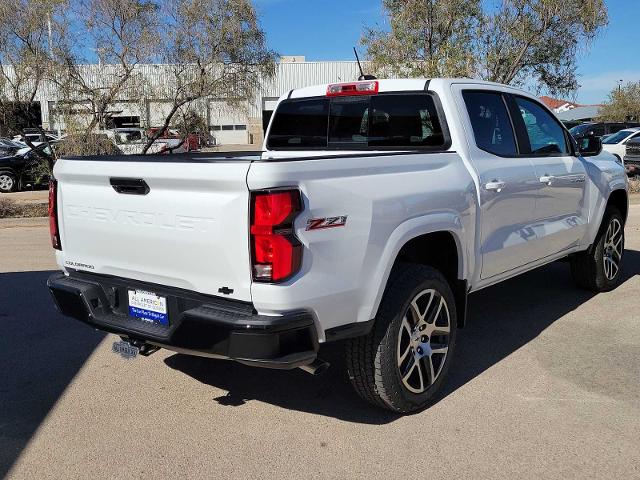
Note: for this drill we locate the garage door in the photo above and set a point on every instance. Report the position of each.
(228, 124)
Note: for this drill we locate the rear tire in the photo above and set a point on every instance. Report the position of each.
(402, 363)
(599, 269)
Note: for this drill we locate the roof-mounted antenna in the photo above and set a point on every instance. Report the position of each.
(362, 74)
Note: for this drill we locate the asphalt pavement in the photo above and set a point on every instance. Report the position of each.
(545, 384)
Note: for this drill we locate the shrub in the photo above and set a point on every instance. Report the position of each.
(10, 208)
(84, 145)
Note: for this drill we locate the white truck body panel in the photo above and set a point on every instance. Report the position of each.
(192, 230)
(352, 263)
(189, 232)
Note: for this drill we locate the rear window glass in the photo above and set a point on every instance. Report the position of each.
(300, 124)
(379, 121)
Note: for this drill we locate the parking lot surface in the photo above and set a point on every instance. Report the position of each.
(545, 384)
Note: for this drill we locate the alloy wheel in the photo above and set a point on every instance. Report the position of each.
(612, 251)
(6, 183)
(423, 341)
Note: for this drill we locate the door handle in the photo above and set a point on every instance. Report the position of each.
(495, 185)
(578, 179)
(548, 179)
(130, 186)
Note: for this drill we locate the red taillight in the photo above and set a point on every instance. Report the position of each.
(53, 215)
(356, 88)
(276, 253)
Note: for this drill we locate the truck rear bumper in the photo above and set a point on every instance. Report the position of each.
(198, 324)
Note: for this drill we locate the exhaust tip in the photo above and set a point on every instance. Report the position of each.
(317, 367)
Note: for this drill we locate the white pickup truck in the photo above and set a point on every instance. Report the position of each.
(374, 210)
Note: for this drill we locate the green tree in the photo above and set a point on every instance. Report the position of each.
(212, 49)
(30, 31)
(513, 41)
(428, 38)
(124, 34)
(623, 104)
(526, 41)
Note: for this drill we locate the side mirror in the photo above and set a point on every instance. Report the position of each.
(590, 146)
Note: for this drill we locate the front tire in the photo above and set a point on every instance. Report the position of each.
(599, 269)
(402, 363)
(8, 182)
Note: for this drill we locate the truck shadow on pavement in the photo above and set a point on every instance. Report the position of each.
(40, 353)
(502, 319)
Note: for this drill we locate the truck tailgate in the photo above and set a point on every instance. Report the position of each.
(189, 231)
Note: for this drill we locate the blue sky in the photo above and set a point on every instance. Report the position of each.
(328, 29)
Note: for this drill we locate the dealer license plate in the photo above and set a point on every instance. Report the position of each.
(148, 306)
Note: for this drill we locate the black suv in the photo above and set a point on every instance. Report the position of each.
(599, 129)
(18, 169)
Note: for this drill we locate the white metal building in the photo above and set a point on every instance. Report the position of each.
(242, 124)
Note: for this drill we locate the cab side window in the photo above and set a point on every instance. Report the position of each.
(546, 135)
(490, 122)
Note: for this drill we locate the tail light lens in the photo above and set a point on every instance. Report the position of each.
(276, 253)
(53, 215)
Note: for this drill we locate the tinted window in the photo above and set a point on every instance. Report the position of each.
(300, 124)
(490, 121)
(348, 122)
(582, 129)
(404, 120)
(599, 130)
(386, 120)
(546, 136)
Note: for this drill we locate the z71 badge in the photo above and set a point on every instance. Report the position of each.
(327, 222)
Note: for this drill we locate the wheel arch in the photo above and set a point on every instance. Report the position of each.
(441, 250)
(619, 199)
(439, 245)
(9, 170)
(437, 249)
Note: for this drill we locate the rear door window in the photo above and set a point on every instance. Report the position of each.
(491, 123)
(401, 121)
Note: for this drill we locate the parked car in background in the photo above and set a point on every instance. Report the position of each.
(599, 129)
(131, 141)
(632, 157)
(22, 168)
(36, 137)
(205, 139)
(9, 147)
(173, 141)
(617, 143)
